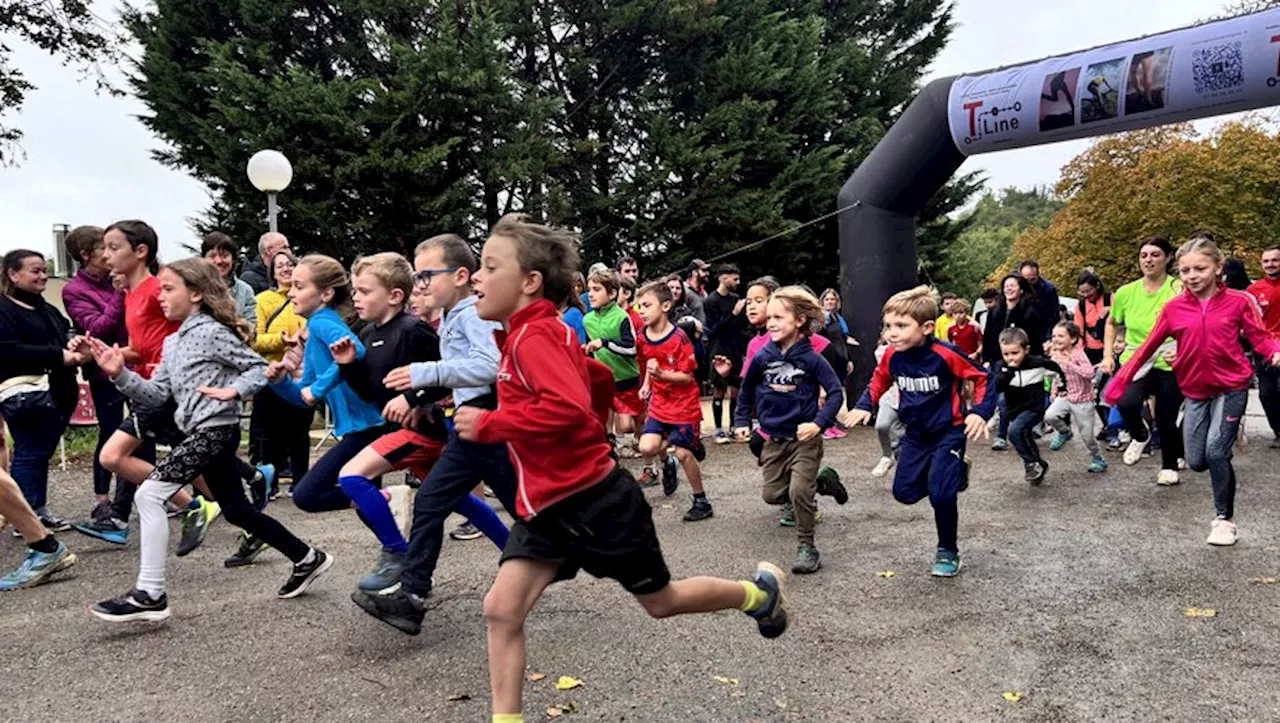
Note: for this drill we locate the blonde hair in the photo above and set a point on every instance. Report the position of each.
(327, 273)
(550, 251)
(607, 278)
(202, 277)
(801, 302)
(390, 269)
(920, 303)
(960, 306)
(1201, 245)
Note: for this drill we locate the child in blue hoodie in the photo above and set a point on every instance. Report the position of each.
(781, 386)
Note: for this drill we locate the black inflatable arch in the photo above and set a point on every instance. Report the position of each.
(1196, 72)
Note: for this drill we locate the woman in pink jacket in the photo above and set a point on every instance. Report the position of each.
(1207, 320)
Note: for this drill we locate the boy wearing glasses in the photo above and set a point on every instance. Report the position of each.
(468, 366)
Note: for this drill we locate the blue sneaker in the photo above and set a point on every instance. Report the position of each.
(1098, 465)
(271, 481)
(386, 576)
(945, 564)
(1060, 440)
(1000, 444)
(38, 568)
(108, 530)
(771, 618)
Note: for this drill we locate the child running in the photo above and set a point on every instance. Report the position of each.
(393, 338)
(46, 554)
(1075, 402)
(963, 333)
(1021, 378)
(781, 387)
(206, 368)
(579, 511)
(1207, 321)
(931, 377)
(675, 408)
(612, 342)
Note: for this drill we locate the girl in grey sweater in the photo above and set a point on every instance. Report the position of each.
(206, 367)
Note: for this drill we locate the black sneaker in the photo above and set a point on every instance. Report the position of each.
(701, 510)
(102, 511)
(465, 531)
(670, 478)
(1036, 471)
(53, 523)
(250, 548)
(829, 484)
(401, 610)
(305, 573)
(771, 617)
(133, 605)
(808, 560)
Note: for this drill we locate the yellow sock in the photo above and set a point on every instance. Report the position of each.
(508, 718)
(755, 597)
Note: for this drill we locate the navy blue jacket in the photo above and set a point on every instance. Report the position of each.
(930, 380)
(781, 388)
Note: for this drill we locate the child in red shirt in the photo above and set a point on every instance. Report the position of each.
(675, 409)
(964, 333)
(579, 511)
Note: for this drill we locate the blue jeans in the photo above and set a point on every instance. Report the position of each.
(108, 404)
(1002, 404)
(460, 468)
(1022, 435)
(35, 438)
(1209, 429)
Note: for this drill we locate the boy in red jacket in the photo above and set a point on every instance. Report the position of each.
(575, 512)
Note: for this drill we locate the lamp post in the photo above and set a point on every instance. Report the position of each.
(270, 172)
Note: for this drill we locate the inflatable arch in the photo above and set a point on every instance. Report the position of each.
(1206, 70)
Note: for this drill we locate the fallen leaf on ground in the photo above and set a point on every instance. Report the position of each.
(559, 709)
(535, 677)
(1200, 613)
(887, 573)
(726, 681)
(567, 683)
(1265, 580)
(457, 697)
(668, 506)
(1013, 697)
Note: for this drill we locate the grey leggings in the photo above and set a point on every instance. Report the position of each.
(1209, 428)
(889, 429)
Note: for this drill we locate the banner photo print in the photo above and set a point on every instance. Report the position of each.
(1211, 69)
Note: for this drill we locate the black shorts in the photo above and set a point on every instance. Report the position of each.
(606, 530)
(152, 424)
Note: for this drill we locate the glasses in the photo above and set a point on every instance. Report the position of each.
(424, 276)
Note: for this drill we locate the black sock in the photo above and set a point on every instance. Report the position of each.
(48, 545)
(717, 411)
(699, 496)
(947, 517)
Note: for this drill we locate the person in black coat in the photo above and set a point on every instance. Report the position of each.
(1015, 308)
(38, 388)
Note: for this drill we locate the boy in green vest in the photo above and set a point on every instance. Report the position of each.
(612, 341)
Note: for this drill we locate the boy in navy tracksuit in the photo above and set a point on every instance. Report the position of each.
(931, 376)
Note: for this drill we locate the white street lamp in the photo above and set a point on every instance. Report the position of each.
(270, 172)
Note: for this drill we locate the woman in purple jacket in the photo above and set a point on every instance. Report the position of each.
(96, 308)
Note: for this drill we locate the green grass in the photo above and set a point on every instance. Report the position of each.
(81, 442)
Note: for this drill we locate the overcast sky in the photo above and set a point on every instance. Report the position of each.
(88, 160)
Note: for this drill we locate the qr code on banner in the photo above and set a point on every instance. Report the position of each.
(1218, 68)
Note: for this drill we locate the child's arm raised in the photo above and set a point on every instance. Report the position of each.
(478, 369)
(153, 393)
(328, 332)
(1124, 377)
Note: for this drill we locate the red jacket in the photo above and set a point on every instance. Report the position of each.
(1210, 358)
(546, 415)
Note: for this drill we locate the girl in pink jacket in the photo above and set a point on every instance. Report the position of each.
(1207, 320)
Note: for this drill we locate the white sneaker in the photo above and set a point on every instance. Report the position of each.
(882, 467)
(1125, 437)
(1182, 463)
(401, 504)
(1133, 452)
(1222, 533)
(1167, 477)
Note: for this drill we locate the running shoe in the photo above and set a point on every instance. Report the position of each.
(722, 437)
(250, 547)
(808, 560)
(670, 476)
(1060, 440)
(771, 617)
(102, 511)
(701, 510)
(648, 478)
(466, 531)
(385, 577)
(131, 606)
(882, 467)
(195, 526)
(945, 563)
(1036, 471)
(1167, 477)
(38, 567)
(1000, 444)
(401, 610)
(52, 522)
(1133, 453)
(305, 573)
(1222, 533)
(1098, 465)
(108, 530)
(829, 484)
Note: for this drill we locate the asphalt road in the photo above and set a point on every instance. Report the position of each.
(1072, 597)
